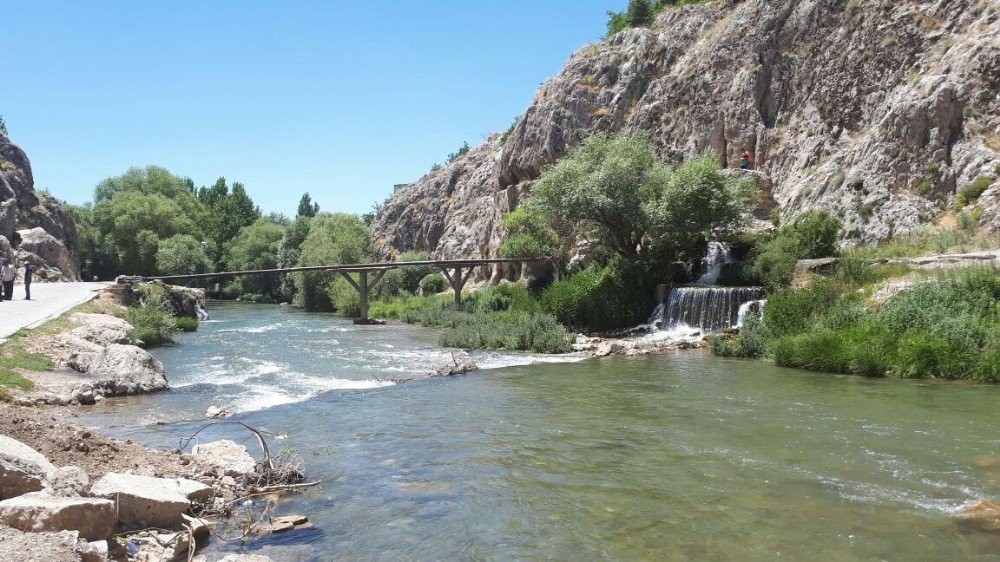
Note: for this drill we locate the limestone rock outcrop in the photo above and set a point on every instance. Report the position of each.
(34, 227)
(878, 111)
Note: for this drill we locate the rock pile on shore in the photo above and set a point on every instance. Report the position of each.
(76, 510)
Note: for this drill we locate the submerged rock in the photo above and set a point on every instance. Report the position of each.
(22, 469)
(461, 363)
(983, 513)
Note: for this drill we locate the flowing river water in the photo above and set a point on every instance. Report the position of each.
(679, 457)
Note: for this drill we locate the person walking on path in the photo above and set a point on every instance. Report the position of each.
(3, 294)
(7, 275)
(28, 271)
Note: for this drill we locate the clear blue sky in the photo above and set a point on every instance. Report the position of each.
(339, 98)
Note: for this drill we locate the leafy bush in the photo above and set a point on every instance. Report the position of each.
(751, 342)
(187, 324)
(151, 320)
(510, 330)
(344, 298)
(398, 307)
(599, 300)
(792, 311)
(492, 318)
(970, 192)
(812, 235)
(433, 284)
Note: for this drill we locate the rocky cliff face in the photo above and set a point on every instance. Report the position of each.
(876, 110)
(34, 227)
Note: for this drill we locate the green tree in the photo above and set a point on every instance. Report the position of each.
(3, 125)
(181, 254)
(616, 192)
(228, 213)
(639, 13)
(134, 222)
(96, 255)
(306, 207)
(333, 239)
(289, 252)
(256, 247)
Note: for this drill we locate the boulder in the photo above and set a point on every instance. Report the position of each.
(282, 524)
(121, 370)
(50, 250)
(146, 501)
(68, 482)
(231, 458)
(22, 469)
(93, 518)
(461, 363)
(101, 329)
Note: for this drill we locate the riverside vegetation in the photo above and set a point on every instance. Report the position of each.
(944, 324)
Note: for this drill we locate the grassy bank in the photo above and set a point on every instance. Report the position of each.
(945, 324)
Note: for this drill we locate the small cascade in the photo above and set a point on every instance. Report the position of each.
(709, 309)
(750, 307)
(718, 255)
(201, 312)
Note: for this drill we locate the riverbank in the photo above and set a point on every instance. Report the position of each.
(61, 479)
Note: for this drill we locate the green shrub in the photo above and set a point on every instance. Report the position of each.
(966, 222)
(502, 297)
(257, 298)
(792, 311)
(398, 307)
(151, 320)
(433, 284)
(971, 191)
(751, 342)
(599, 300)
(345, 298)
(812, 235)
(925, 187)
(187, 324)
(510, 330)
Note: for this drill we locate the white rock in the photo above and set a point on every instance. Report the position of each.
(146, 501)
(68, 482)
(22, 469)
(230, 457)
(93, 518)
(121, 370)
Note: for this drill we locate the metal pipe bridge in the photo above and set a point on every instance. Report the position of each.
(457, 272)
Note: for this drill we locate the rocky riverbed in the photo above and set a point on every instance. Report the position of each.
(67, 493)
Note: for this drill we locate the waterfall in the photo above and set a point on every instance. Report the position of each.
(717, 256)
(755, 307)
(200, 312)
(709, 309)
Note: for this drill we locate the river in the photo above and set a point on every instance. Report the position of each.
(680, 457)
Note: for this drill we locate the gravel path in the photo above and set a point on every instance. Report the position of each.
(48, 301)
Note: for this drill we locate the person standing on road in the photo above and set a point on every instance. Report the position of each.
(7, 275)
(3, 294)
(28, 271)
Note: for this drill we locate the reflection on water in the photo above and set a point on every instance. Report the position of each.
(685, 457)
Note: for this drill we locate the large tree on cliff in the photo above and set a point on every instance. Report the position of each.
(617, 193)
